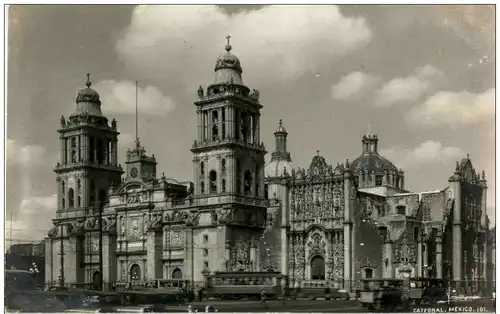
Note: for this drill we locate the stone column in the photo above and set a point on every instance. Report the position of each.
(387, 256)
(154, 253)
(257, 129)
(209, 134)
(372, 175)
(189, 260)
(253, 255)
(62, 142)
(402, 181)
(196, 175)
(439, 254)
(420, 253)
(425, 258)
(285, 245)
(227, 256)
(109, 261)
(94, 152)
(230, 174)
(457, 226)
(385, 177)
(347, 232)
(200, 126)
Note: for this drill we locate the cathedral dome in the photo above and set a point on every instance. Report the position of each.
(278, 168)
(372, 161)
(87, 94)
(228, 68)
(88, 101)
(370, 158)
(281, 128)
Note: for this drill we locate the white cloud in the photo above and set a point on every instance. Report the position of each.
(353, 86)
(410, 88)
(26, 155)
(428, 152)
(275, 42)
(119, 97)
(452, 109)
(34, 219)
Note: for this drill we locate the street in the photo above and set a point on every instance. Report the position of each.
(289, 306)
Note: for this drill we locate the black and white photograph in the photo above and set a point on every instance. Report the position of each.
(243, 157)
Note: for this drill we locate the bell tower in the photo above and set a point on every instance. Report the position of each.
(228, 160)
(89, 163)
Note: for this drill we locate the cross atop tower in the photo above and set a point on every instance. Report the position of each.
(88, 83)
(369, 129)
(228, 46)
(317, 152)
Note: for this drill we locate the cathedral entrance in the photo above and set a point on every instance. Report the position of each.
(177, 274)
(96, 281)
(135, 272)
(318, 268)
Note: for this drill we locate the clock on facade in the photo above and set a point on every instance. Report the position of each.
(133, 172)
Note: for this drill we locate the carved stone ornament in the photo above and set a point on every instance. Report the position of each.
(109, 224)
(53, 232)
(174, 238)
(193, 219)
(316, 245)
(241, 257)
(226, 215)
(77, 228)
(213, 216)
(154, 221)
(134, 228)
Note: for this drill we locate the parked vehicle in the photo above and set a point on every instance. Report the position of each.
(385, 294)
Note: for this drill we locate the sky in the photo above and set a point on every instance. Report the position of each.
(421, 77)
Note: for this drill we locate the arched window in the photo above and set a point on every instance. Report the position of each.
(63, 194)
(266, 191)
(223, 166)
(213, 181)
(79, 201)
(177, 274)
(202, 187)
(78, 187)
(71, 197)
(378, 180)
(223, 186)
(135, 272)
(202, 168)
(247, 184)
(215, 127)
(401, 210)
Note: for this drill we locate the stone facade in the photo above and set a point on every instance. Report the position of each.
(329, 224)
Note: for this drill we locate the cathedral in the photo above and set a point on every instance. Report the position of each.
(324, 224)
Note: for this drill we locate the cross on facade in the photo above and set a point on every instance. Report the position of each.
(227, 38)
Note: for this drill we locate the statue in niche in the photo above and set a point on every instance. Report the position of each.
(73, 155)
(200, 92)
